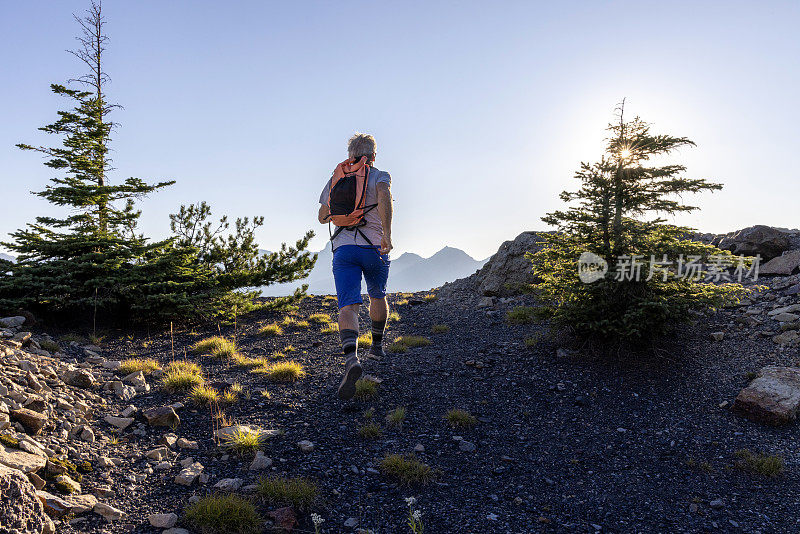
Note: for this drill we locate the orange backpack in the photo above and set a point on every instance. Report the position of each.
(347, 196)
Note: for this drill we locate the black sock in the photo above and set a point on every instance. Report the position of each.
(377, 334)
(349, 342)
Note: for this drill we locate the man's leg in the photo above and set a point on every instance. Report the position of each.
(347, 276)
(376, 276)
(378, 313)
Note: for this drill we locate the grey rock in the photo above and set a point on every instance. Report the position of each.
(772, 398)
(764, 240)
(21, 510)
(163, 520)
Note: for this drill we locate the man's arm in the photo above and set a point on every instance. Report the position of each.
(385, 211)
(324, 212)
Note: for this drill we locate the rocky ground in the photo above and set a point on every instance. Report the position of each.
(564, 442)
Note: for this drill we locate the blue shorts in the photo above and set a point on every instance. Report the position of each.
(349, 263)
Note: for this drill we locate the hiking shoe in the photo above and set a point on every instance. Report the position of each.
(352, 372)
(376, 353)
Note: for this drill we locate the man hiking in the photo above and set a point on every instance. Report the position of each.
(358, 201)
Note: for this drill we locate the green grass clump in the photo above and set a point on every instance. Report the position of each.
(182, 376)
(273, 329)
(767, 465)
(224, 514)
(368, 413)
(330, 328)
(319, 318)
(430, 297)
(403, 343)
(393, 317)
(365, 340)
(396, 416)
(440, 329)
(247, 361)
(69, 338)
(243, 440)
(299, 493)
(288, 371)
(521, 315)
(460, 418)
(204, 395)
(370, 431)
(532, 341)
(132, 365)
(366, 389)
(50, 346)
(216, 346)
(406, 469)
(63, 487)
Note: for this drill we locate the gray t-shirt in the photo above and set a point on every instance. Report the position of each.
(373, 229)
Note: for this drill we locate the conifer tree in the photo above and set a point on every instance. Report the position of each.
(618, 216)
(93, 257)
(83, 257)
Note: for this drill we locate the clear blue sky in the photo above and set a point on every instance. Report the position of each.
(482, 111)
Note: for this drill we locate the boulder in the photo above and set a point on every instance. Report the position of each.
(21, 460)
(763, 240)
(20, 508)
(120, 422)
(772, 398)
(162, 416)
(781, 265)
(54, 506)
(163, 520)
(80, 378)
(505, 273)
(188, 474)
(32, 421)
(12, 322)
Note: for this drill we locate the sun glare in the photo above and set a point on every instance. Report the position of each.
(625, 153)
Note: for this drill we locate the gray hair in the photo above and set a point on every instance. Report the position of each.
(361, 145)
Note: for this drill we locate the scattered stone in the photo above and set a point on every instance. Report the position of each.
(260, 462)
(466, 446)
(717, 336)
(163, 520)
(189, 474)
(773, 397)
(229, 484)
(119, 422)
(162, 416)
(21, 460)
(184, 443)
(108, 512)
(12, 322)
(32, 421)
(284, 518)
(54, 506)
(80, 378)
(305, 445)
(82, 503)
(717, 504)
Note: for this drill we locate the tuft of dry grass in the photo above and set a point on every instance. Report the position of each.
(132, 365)
(287, 371)
(440, 329)
(406, 469)
(319, 318)
(370, 431)
(182, 376)
(216, 346)
(299, 493)
(273, 329)
(243, 440)
(204, 395)
(366, 389)
(403, 343)
(247, 361)
(224, 514)
(365, 340)
(460, 418)
(766, 465)
(430, 297)
(330, 328)
(397, 416)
